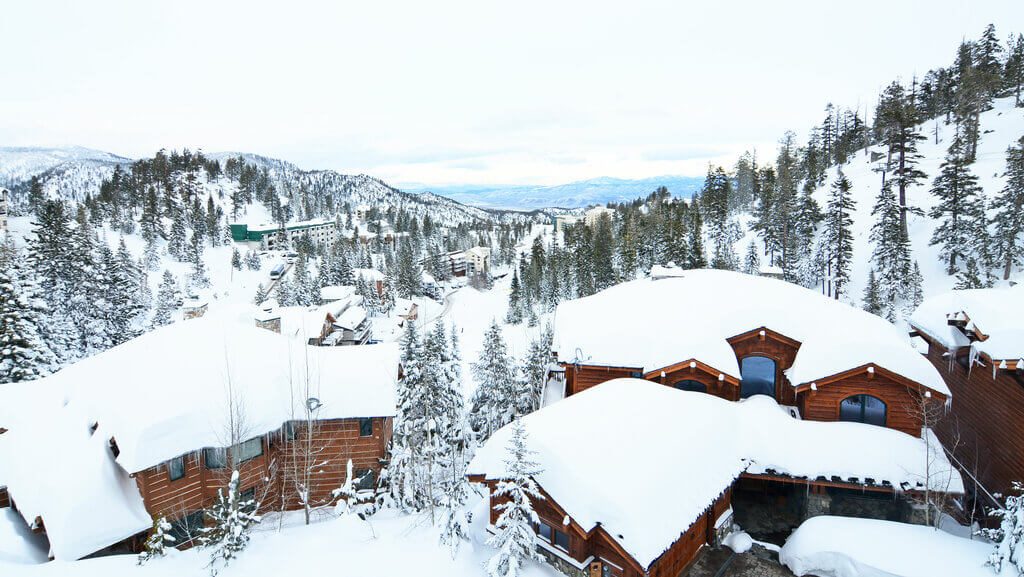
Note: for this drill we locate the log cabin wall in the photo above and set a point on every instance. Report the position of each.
(681, 553)
(985, 427)
(5, 499)
(579, 378)
(772, 345)
(902, 403)
(269, 474)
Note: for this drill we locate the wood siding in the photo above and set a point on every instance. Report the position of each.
(726, 389)
(986, 421)
(579, 378)
(273, 474)
(5, 499)
(902, 402)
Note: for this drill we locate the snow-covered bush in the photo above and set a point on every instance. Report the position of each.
(158, 541)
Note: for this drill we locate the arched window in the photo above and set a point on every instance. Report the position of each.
(689, 385)
(863, 409)
(758, 377)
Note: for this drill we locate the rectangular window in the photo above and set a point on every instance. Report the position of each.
(545, 532)
(561, 539)
(186, 528)
(365, 427)
(215, 458)
(365, 480)
(250, 449)
(176, 468)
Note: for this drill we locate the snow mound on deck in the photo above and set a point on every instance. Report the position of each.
(655, 323)
(848, 547)
(678, 471)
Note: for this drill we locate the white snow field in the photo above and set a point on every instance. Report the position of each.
(681, 478)
(847, 547)
(670, 318)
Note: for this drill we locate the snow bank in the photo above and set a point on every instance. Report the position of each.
(651, 324)
(683, 472)
(995, 313)
(848, 547)
(161, 395)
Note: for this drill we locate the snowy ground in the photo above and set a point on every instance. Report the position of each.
(387, 544)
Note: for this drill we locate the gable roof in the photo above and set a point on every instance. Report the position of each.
(659, 435)
(653, 323)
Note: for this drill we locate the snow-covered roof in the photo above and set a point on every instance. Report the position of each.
(480, 251)
(677, 315)
(369, 274)
(682, 473)
(351, 318)
(997, 314)
(336, 292)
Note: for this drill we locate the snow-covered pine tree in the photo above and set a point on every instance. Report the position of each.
(535, 370)
(261, 295)
(165, 300)
(229, 521)
(252, 260)
(958, 208)
(403, 475)
(284, 292)
(236, 259)
(495, 399)
(872, 301)
(970, 276)
(194, 255)
(837, 237)
(514, 315)
(916, 284)
(515, 539)
(891, 255)
(752, 260)
(158, 541)
(896, 125)
(24, 353)
(1009, 536)
(1009, 217)
(177, 240)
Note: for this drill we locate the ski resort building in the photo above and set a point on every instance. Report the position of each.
(975, 339)
(467, 262)
(734, 336)
(342, 321)
(153, 427)
(594, 215)
(673, 494)
(321, 232)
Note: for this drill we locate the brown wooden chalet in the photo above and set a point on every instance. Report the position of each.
(975, 339)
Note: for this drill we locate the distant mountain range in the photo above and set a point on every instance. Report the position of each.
(572, 195)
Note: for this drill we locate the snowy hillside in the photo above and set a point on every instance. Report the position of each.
(1000, 128)
(69, 172)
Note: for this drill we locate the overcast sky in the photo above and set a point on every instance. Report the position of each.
(462, 92)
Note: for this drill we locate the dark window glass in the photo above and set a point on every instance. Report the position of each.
(250, 449)
(863, 409)
(561, 539)
(247, 495)
(689, 385)
(186, 528)
(365, 480)
(545, 532)
(176, 468)
(365, 427)
(215, 458)
(758, 377)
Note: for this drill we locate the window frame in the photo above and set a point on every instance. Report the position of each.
(214, 450)
(364, 422)
(170, 466)
(775, 375)
(248, 442)
(862, 397)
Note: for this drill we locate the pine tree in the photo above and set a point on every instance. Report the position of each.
(514, 315)
(1009, 217)
(872, 301)
(24, 354)
(515, 538)
(970, 277)
(891, 254)
(36, 196)
(1009, 536)
(837, 237)
(194, 255)
(696, 258)
(916, 287)
(1013, 70)
(494, 401)
(252, 261)
(261, 295)
(165, 300)
(229, 521)
(957, 190)
(752, 261)
(535, 369)
(158, 541)
(236, 259)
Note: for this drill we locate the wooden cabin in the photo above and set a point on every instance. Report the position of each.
(975, 339)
